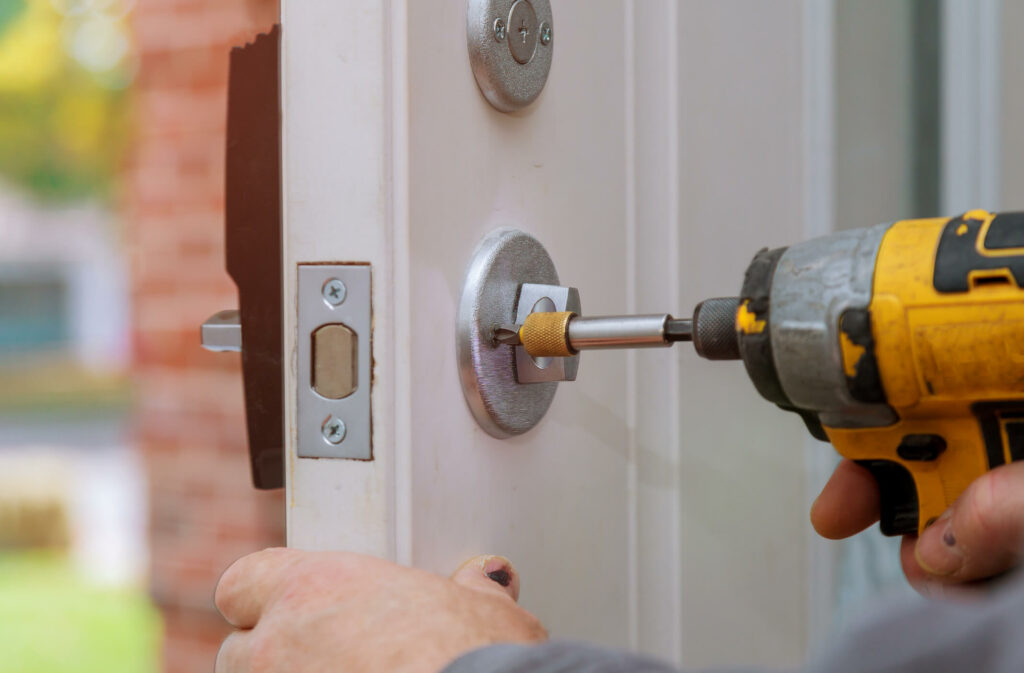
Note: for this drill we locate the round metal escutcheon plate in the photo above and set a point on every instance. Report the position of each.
(503, 260)
(511, 43)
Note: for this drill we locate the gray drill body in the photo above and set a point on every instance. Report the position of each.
(814, 284)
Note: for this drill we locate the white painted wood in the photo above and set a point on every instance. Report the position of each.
(741, 187)
(819, 175)
(337, 172)
(661, 504)
(971, 104)
(555, 500)
(873, 113)
(653, 230)
(1011, 124)
(873, 171)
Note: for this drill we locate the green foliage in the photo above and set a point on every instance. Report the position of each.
(63, 99)
(8, 10)
(52, 622)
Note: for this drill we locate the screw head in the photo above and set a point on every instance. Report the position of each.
(499, 29)
(545, 33)
(333, 430)
(334, 292)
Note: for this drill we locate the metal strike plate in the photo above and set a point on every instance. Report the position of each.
(334, 359)
(511, 43)
(535, 298)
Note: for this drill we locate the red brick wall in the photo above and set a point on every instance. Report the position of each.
(204, 512)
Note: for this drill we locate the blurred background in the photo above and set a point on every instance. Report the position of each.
(124, 479)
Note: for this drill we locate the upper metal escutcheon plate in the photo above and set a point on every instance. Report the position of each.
(505, 261)
(511, 69)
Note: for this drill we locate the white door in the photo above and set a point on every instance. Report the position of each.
(660, 504)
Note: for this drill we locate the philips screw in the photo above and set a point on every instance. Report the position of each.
(334, 292)
(334, 430)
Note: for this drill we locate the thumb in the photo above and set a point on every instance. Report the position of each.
(980, 535)
(490, 574)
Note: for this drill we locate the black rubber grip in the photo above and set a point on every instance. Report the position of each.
(898, 505)
(714, 329)
(958, 254)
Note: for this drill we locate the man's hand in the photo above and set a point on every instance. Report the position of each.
(978, 537)
(333, 611)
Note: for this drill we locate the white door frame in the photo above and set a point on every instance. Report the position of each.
(345, 188)
(652, 280)
(819, 220)
(971, 105)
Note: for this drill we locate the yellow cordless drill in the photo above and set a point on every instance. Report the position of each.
(901, 344)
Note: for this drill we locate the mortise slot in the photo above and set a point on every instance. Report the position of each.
(335, 371)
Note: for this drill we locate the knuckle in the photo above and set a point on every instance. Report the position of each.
(262, 654)
(270, 556)
(218, 663)
(985, 516)
(298, 584)
(524, 624)
(233, 581)
(225, 592)
(534, 627)
(223, 662)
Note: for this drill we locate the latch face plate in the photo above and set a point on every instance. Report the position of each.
(319, 307)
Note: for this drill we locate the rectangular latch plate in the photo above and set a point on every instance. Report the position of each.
(334, 359)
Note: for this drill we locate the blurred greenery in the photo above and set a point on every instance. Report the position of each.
(10, 9)
(51, 621)
(55, 385)
(65, 68)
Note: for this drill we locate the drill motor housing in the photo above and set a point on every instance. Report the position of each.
(903, 345)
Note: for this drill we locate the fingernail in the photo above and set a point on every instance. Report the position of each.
(502, 577)
(937, 551)
(498, 569)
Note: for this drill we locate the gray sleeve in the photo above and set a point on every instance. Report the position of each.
(553, 657)
(982, 636)
(956, 635)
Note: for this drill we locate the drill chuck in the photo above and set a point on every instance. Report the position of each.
(714, 329)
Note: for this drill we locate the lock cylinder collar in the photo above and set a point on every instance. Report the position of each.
(547, 334)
